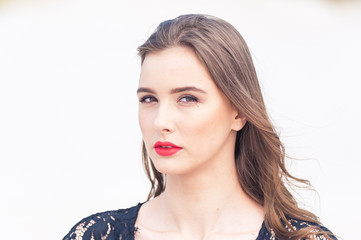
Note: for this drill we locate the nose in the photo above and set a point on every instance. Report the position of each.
(163, 121)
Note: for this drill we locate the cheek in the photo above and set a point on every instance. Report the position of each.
(208, 126)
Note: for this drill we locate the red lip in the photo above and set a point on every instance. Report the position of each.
(166, 148)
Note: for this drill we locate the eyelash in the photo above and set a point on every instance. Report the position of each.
(193, 99)
(142, 100)
(153, 99)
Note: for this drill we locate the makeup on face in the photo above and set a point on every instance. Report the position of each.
(166, 148)
(186, 121)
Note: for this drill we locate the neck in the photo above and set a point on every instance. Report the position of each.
(201, 204)
(202, 191)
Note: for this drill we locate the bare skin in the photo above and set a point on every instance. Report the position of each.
(222, 211)
(203, 199)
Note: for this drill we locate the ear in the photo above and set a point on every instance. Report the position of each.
(238, 122)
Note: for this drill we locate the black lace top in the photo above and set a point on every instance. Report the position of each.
(120, 225)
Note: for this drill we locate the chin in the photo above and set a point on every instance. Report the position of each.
(170, 167)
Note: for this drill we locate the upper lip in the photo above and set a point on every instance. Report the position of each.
(165, 144)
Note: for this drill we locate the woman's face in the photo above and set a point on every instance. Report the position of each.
(187, 122)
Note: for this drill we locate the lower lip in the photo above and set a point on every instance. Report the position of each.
(167, 151)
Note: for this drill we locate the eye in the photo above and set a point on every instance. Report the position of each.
(188, 99)
(148, 99)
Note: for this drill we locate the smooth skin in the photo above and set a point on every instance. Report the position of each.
(203, 200)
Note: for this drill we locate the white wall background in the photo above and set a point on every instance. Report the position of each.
(69, 137)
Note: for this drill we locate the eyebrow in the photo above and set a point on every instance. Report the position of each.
(146, 90)
(174, 90)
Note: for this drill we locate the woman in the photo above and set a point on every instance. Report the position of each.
(213, 157)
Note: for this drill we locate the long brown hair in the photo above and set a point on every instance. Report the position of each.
(259, 153)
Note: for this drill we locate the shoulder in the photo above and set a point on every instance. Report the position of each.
(299, 224)
(116, 224)
(315, 230)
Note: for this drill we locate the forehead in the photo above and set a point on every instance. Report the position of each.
(175, 65)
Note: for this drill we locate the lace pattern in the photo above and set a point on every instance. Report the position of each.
(294, 225)
(111, 225)
(119, 225)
